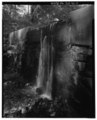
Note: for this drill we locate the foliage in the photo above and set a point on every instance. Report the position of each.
(16, 17)
(47, 13)
(12, 20)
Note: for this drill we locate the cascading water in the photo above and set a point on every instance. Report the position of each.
(48, 90)
(45, 70)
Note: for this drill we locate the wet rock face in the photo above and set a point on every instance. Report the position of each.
(41, 108)
(39, 91)
(62, 36)
(69, 59)
(47, 108)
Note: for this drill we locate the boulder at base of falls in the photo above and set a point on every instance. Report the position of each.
(39, 91)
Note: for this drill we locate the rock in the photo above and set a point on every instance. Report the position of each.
(66, 101)
(53, 114)
(5, 84)
(5, 115)
(18, 114)
(81, 66)
(39, 90)
(27, 84)
(30, 107)
(23, 110)
(13, 109)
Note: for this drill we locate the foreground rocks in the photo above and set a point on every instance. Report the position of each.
(44, 108)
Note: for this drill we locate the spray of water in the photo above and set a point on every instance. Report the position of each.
(63, 68)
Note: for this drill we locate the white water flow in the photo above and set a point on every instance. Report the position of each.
(45, 69)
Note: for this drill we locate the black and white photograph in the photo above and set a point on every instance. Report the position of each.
(48, 59)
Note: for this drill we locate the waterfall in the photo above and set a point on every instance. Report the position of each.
(45, 69)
